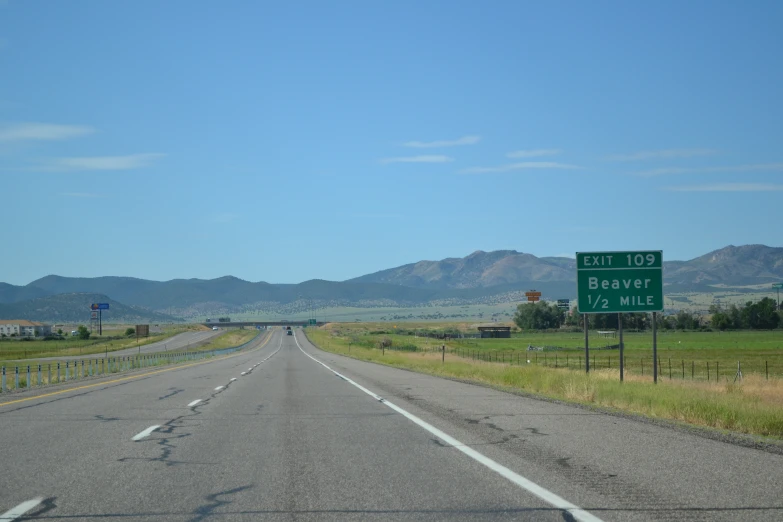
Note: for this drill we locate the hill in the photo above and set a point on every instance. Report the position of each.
(75, 308)
(479, 278)
(730, 266)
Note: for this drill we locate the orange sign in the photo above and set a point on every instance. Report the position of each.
(533, 298)
(532, 293)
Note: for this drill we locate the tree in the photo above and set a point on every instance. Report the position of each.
(684, 321)
(59, 331)
(538, 316)
(84, 333)
(130, 331)
(762, 315)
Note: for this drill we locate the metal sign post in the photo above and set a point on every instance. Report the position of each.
(622, 357)
(587, 345)
(655, 349)
(100, 307)
(778, 286)
(620, 282)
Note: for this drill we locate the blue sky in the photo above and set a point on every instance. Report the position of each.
(285, 141)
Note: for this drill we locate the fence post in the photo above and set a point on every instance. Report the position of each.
(82, 370)
(683, 368)
(642, 365)
(49, 370)
(2, 382)
(16, 378)
(39, 375)
(708, 371)
(28, 377)
(670, 368)
(67, 364)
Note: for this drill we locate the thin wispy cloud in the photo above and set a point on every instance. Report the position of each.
(418, 159)
(662, 154)
(534, 153)
(526, 165)
(465, 140)
(41, 132)
(81, 195)
(707, 170)
(104, 163)
(728, 187)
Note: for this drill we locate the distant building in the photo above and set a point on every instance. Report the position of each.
(495, 332)
(22, 328)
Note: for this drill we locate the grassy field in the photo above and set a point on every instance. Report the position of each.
(752, 406)
(412, 314)
(52, 373)
(112, 340)
(689, 355)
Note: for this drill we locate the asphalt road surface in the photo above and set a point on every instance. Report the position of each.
(288, 432)
(175, 343)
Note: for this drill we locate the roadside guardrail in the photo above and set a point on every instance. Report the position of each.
(24, 377)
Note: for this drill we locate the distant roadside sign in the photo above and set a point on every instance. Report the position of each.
(99, 306)
(564, 303)
(777, 285)
(93, 315)
(533, 296)
(618, 282)
(142, 330)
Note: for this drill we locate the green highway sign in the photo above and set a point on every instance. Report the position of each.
(618, 282)
(777, 285)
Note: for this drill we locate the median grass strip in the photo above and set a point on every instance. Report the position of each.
(18, 349)
(78, 369)
(753, 406)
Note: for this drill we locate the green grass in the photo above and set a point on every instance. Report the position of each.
(754, 406)
(17, 350)
(693, 355)
(77, 369)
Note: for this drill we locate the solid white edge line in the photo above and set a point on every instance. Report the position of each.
(146, 432)
(190, 405)
(21, 509)
(526, 484)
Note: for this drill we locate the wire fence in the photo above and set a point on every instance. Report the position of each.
(668, 367)
(23, 377)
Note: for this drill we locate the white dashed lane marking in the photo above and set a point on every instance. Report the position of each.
(146, 432)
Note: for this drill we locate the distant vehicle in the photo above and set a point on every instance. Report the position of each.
(290, 332)
(74, 333)
(215, 328)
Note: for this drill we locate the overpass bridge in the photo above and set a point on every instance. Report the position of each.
(253, 324)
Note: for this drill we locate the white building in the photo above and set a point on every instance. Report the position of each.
(23, 328)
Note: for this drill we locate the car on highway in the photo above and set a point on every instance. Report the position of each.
(290, 332)
(215, 328)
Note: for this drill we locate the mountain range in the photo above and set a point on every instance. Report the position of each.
(479, 278)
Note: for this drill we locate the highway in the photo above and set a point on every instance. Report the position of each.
(177, 342)
(288, 432)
